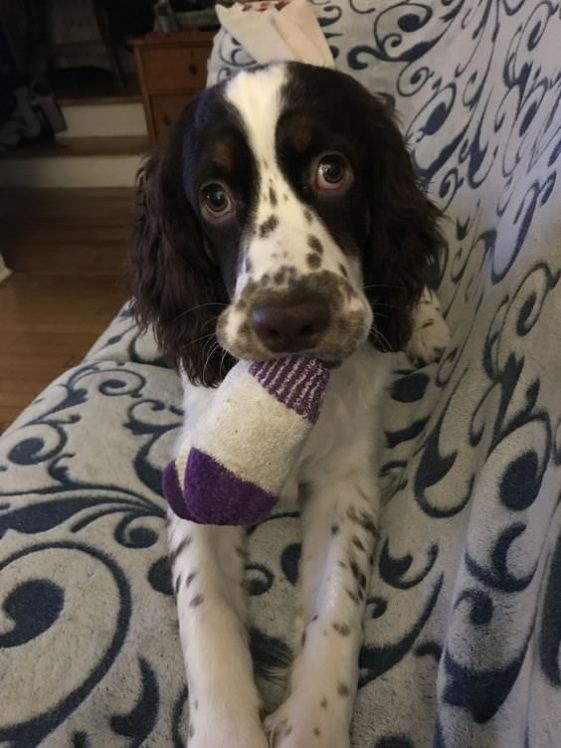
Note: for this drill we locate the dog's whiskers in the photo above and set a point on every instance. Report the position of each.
(388, 306)
(224, 354)
(202, 337)
(200, 306)
(378, 335)
(212, 349)
(381, 286)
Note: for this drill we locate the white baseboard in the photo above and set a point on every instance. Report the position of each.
(104, 120)
(77, 171)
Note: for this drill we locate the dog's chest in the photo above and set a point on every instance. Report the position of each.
(348, 430)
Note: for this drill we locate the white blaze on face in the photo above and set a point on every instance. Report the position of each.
(284, 231)
(285, 240)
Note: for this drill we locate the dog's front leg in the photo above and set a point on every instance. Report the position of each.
(208, 573)
(339, 522)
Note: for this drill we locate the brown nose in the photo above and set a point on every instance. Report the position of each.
(291, 327)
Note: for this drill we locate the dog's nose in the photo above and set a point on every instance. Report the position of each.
(291, 327)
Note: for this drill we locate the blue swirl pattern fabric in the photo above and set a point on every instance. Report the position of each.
(463, 629)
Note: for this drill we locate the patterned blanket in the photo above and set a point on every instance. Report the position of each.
(463, 627)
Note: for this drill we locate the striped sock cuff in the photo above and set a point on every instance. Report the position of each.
(299, 382)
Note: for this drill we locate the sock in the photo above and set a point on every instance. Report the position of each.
(243, 449)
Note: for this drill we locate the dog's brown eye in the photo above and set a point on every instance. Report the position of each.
(332, 173)
(215, 200)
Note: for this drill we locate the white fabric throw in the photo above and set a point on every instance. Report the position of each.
(277, 31)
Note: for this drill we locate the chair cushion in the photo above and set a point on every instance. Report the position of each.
(463, 624)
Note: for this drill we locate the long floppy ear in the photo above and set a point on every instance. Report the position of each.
(175, 286)
(404, 237)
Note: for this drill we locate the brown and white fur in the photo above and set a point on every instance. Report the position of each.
(284, 216)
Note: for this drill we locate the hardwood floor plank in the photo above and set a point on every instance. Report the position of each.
(34, 344)
(91, 146)
(67, 250)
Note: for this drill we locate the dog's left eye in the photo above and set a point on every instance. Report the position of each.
(332, 173)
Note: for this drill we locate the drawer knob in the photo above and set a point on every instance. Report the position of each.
(193, 69)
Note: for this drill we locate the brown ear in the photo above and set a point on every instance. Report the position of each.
(175, 286)
(405, 240)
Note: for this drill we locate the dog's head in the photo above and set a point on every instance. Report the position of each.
(282, 216)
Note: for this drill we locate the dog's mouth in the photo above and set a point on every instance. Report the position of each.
(320, 314)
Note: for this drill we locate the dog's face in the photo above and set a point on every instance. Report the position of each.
(276, 182)
(282, 217)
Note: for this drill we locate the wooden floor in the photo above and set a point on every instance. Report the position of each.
(67, 251)
(121, 145)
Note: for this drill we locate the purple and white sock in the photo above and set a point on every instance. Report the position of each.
(243, 449)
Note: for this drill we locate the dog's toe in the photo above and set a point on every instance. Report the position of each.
(431, 334)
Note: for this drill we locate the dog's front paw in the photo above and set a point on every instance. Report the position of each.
(297, 724)
(431, 334)
(239, 741)
(222, 733)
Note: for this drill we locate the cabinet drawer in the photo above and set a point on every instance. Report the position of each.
(165, 111)
(173, 68)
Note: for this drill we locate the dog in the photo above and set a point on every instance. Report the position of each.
(284, 216)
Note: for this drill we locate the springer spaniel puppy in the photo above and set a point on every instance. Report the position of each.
(284, 216)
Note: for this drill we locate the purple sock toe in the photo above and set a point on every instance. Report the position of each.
(217, 496)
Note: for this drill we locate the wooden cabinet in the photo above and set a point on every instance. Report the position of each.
(171, 68)
(165, 109)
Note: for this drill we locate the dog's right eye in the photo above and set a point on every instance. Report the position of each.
(215, 201)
